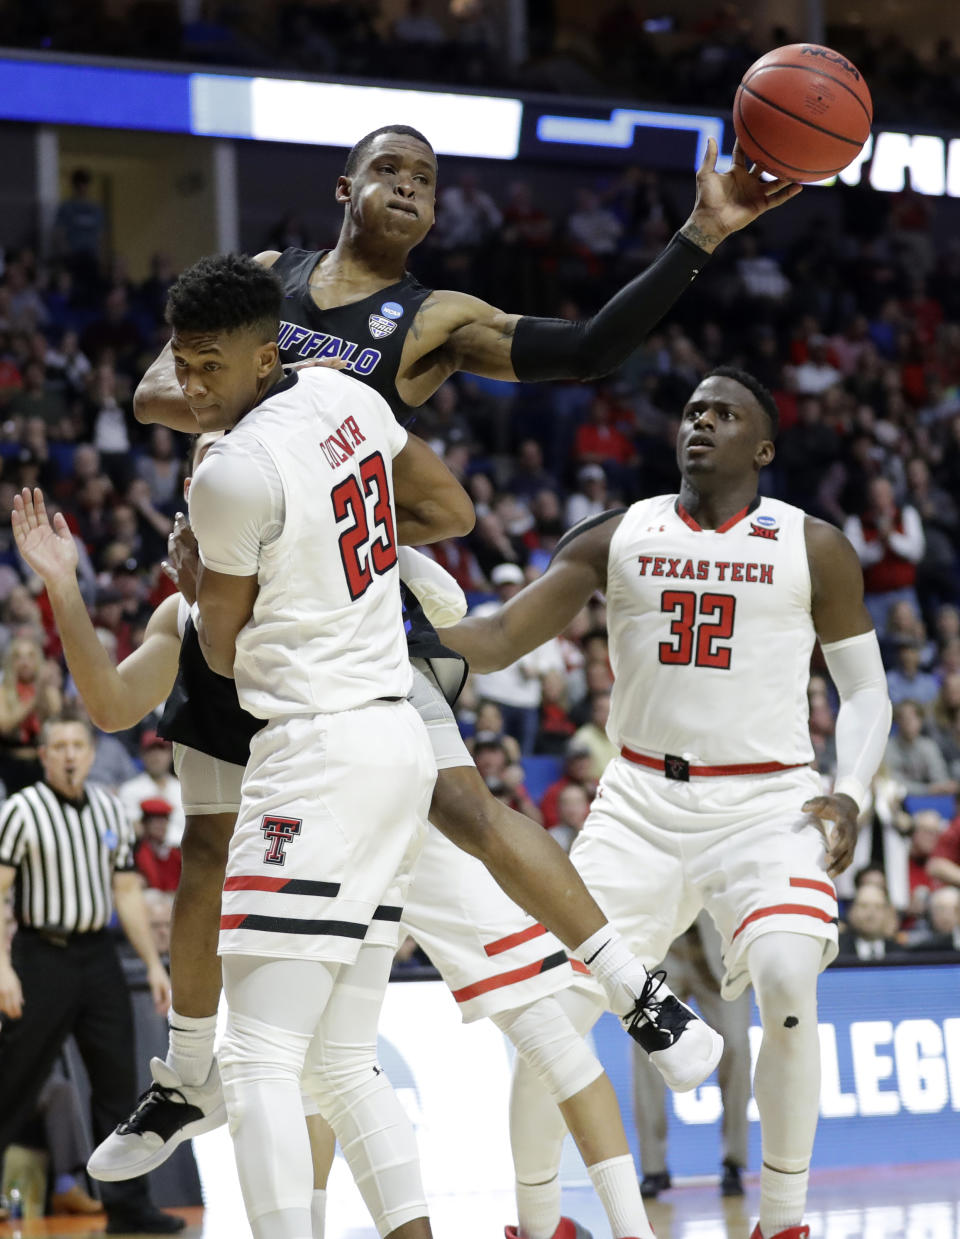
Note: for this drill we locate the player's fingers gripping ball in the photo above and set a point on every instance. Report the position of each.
(802, 112)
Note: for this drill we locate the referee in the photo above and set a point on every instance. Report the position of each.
(67, 850)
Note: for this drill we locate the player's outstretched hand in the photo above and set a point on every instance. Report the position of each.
(183, 558)
(729, 201)
(842, 839)
(48, 548)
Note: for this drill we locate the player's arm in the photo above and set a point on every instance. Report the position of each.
(235, 509)
(115, 697)
(508, 346)
(541, 610)
(852, 654)
(430, 503)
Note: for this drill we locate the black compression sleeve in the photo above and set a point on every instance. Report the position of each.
(555, 348)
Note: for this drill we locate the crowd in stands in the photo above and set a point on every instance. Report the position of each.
(611, 48)
(856, 331)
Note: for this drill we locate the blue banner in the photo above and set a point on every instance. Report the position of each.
(890, 1087)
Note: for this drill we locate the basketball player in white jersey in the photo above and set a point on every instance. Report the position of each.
(497, 961)
(715, 597)
(298, 598)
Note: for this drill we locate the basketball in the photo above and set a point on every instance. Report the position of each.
(802, 112)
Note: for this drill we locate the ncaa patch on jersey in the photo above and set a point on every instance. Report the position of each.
(380, 326)
(392, 309)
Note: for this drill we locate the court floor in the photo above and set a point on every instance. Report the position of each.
(891, 1202)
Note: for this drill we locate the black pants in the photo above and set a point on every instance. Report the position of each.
(78, 988)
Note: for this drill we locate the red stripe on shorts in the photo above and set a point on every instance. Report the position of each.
(254, 883)
(809, 884)
(783, 909)
(511, 940)
(498, 982)
(233, 922)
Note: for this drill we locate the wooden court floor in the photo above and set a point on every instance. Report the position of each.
(905, 1202)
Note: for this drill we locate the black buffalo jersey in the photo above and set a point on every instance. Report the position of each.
(368, 334)
(202, 710)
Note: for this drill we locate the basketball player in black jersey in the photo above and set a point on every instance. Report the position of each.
(357, 304)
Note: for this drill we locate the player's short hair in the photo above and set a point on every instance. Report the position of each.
(764, 396)
(226, 292)
(359, 149)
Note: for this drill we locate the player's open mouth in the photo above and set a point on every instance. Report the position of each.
(699, 441)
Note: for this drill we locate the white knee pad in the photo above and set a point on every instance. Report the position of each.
(784, 969)
(550, 1045)
(254, 1052)
(355, 1097)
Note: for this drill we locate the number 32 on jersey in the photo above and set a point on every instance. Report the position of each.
(698, 633)
(368, 543)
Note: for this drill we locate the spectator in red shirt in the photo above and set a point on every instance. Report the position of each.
(158, 863)
(577, 770)
(598, 441)
(944, 862)
(928, 826)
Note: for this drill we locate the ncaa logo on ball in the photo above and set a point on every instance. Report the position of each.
(392, 309)
(380, 326)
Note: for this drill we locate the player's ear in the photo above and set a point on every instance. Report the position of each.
(267, 358)
(344, 184)
(765, 453)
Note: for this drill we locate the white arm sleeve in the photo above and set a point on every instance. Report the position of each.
(236, 506)
(863, 724)
(443, 601)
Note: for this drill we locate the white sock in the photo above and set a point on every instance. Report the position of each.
(538, 1208)
(615, 1182)
(615, 966)
(190, 1052)
(782, 1199)
(318, 1209)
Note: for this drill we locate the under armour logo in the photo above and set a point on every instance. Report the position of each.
(278, 831)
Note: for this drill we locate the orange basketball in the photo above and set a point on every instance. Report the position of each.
(802, 112)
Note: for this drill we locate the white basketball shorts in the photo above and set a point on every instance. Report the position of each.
(207, 784)
(491, 954)
(653, 851)
(332, 819)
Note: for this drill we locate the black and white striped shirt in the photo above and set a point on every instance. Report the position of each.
(65, 854)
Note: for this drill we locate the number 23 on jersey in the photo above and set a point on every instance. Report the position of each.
(368, 543)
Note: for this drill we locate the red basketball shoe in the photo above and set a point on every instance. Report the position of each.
(792, 1232)
(568, 1229)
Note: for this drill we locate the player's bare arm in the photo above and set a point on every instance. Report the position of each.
(852, 653)
(454, 331)
(541, 610)
(430, 503)
(115, 697)
(226, 605)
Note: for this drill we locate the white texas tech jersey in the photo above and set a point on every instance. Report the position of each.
(327, 629)
(710, 634)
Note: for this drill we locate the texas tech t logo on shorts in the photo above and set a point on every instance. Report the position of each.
(278, 832)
